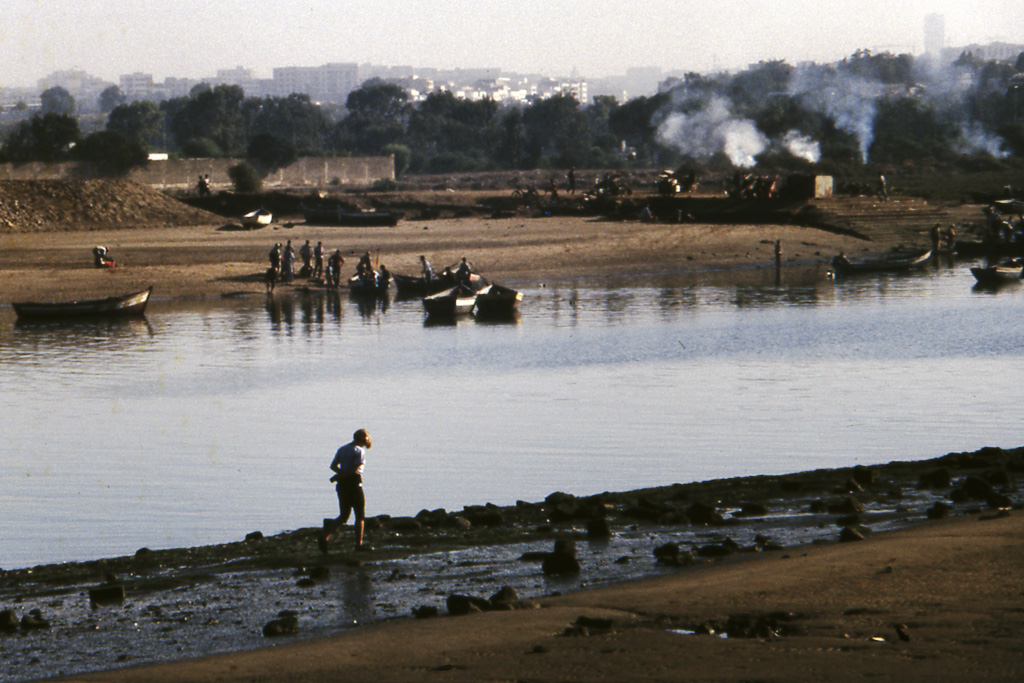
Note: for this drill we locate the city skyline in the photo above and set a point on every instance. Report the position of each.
(193, 40)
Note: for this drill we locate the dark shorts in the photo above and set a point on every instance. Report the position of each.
(350, 497)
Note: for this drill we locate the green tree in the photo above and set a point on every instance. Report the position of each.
(245, 178)
(403, 156)
(57, 100)
(557, 132)
(636, 124)
(910, 129)
(377, 116)
(45, 137)
(214, 113)
(268, 152)
(141, 122)
(449, 133)
(110, 98)
(295, 118)
(112, 152)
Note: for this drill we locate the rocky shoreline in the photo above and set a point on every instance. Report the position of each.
(167, 605)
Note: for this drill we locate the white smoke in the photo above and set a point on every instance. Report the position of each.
(802, 146)
(851, 102)
(974, 139)
(711, 129)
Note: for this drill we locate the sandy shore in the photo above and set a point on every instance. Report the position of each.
(205, 261)
(940, 601)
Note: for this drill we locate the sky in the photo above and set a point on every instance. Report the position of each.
(195, 38)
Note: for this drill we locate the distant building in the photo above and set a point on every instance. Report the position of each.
(82, 86)
(934, 34)
(330, 83)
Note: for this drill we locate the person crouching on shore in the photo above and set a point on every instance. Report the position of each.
(348, 466)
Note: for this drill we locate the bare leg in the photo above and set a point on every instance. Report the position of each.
(359, 533)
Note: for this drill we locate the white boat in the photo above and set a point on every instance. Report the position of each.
(257, 219)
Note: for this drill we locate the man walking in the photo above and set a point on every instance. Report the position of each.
(348, 466)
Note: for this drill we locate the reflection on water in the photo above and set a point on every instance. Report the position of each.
(208, 420)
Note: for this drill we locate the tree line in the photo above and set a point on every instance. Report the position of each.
(878, 108)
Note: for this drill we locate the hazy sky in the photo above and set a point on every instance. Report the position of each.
(194, 38)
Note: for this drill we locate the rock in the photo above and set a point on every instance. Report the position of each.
(864, 476)
(566, 546)
(254, 536)
(404, 524)
(752, 510)
(998, 500)
(558, 498)
(938, 511)
(460, 605)
(561, 513)
(594, 624)
(598, 527)
(286, 624)
(506, 595)
(726, 547)
(479, 515)
(34, 620)
(8, 621)
(425, 612)
(935, 479)
(667, 551)
(320, 573)
(107, 594)
(561, 563)
(305, 582)
(432, 518)
(977, 488)
(817, 507)
(702, 513)
(851, 486)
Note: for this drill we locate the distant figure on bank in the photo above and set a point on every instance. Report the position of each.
(572, 180)
(101, 257)
(318, 260)
(288, 263)
(428, 270)
(464, 271)
(348, 466)
(306, 254)
(275, 258)
(334, 268)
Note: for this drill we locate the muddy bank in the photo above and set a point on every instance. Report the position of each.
(170, 604)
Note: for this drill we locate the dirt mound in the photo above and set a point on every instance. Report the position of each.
(71, 205)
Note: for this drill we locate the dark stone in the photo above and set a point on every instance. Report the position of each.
(598, 527)
(254, 536)
(727, 547)
(977, 488)
(320, 573)
(8, 620)
(143, 553)
(998, 478)
(506, 594)
(425, 612)
(998, 500)
(457, 522)
(864, 476)
(107, 594)
(460, 605)
(851, 486)
(558, 497)
(938, 511)
(373, 524)
(305, 582)
(818, 506)
(34, 620)
(483, 515)
(534, 556)
(702, 513)
(594, 624)
(282, 626)
(566, 546)
(848, 520)
(790, 486)
(561, 513)
(935, 479)
(667, 551)
(432, 518)
(560, 563)
(401, 524)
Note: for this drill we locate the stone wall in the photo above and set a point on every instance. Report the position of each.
(184, 173)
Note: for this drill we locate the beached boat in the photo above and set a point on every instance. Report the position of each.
(451, 302)
(344, 217)
(257, 219)
(1001, 274)
(898, 262)
(494, 301)
(133, 304)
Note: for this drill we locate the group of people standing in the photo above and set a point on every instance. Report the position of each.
(315, 264)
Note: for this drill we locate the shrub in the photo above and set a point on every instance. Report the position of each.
(245, 178)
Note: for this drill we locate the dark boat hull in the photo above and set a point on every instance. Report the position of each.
(450, 303)
(495, 301)
(111, 307)
(993, 276)
(338, 216)
(884, 265)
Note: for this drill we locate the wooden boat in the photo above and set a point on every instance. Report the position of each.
(1001, 274)
(494, 301)
(843, 266)
(454, 301)
(257, 219)
(376, 286)
(408, 285)
(133, 304)
(342, 216)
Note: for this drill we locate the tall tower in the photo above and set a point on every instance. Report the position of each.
(934, 34)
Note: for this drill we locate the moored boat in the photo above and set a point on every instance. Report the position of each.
(333, 214)
(1000, 274)
(133, 304)
(369, 286)
(409, 286)
(843, 266)
(495, 301)
(454, 301)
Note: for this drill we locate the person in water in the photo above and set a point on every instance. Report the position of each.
(348, 466)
